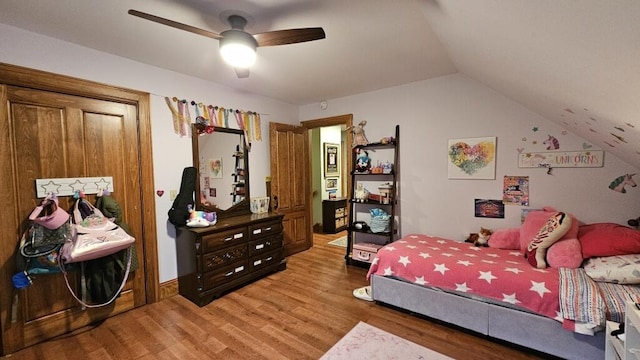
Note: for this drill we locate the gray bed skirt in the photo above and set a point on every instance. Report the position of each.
(518, 327)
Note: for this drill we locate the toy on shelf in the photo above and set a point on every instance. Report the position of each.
(358, 134)
(361, 194)
(363, 162)
(386, 193)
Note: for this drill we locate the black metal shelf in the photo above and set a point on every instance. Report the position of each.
(360, 236)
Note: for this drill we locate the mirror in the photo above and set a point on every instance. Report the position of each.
(222, 160)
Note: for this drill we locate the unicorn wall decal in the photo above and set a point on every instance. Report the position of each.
(552, 143)
(620, 182)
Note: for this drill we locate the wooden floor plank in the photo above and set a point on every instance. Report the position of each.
(298, 313)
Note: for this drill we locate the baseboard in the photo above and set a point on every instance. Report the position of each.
(168, 289)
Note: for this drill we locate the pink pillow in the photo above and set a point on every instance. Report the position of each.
(535, 220)
(608, 239)
(566, 252)
(505, 239)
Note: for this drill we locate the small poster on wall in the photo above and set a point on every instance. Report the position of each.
(516, 190)
(489, 208)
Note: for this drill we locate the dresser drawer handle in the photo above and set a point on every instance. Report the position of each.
(257, 231)
(259, 246)
(228, 274)
(267, 229)
(228, 238)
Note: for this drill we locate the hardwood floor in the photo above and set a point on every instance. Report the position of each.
(298, 313)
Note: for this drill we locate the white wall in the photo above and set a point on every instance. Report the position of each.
(433, 111)
(171, 153)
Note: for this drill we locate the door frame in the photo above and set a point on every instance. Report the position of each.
(46, 81)
(346, 120)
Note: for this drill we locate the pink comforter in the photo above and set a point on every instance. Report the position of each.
(502, 275)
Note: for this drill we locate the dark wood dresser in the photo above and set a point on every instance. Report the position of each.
(231, 253)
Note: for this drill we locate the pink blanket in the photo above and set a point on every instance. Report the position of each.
(502, 275)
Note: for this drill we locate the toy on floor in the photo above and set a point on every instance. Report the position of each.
(480, 238)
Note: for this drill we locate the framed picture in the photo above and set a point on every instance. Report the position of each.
(331, 183)
(331, 159)
(215, 168)
(472, 158)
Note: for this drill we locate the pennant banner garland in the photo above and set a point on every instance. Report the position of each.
(210, 115)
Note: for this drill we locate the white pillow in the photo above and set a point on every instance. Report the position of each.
(619, 269)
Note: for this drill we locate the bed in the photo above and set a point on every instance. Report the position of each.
(496, 292)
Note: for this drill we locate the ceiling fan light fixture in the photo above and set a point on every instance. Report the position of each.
(238, 48)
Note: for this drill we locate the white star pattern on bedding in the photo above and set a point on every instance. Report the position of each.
(457, 266)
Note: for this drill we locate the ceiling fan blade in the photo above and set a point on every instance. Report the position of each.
(242, 72)
(290, 36)
(175, 24)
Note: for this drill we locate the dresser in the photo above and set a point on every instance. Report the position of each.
(235, 251)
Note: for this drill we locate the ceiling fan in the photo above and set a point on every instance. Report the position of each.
(238, 47)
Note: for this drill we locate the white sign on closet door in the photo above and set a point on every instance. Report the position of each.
(69, 186)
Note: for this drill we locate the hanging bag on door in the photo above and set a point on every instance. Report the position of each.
(96, 236)
(97, 241)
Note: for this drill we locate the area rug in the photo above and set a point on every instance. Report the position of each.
(342, 242)
(367, 342)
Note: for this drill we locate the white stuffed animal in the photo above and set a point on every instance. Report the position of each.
(361, 194)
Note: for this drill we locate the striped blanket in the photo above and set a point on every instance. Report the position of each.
(586, 304)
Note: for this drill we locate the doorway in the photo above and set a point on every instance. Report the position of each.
(317, 180)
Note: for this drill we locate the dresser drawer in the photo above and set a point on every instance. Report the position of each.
(264, 260)
(257, 231)
(217, 240)
(265, 244)
(224, 274)
(212, 260)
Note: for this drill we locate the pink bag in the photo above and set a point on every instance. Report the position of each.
(95, 242)
(95, 236)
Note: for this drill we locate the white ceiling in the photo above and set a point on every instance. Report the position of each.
(576, 62)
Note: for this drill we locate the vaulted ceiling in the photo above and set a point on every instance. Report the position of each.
(575, 62)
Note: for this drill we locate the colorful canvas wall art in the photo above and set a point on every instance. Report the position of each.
(472, 158)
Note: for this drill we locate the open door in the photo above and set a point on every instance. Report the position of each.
(290, 184)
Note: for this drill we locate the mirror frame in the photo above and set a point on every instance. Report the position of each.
(241, 208)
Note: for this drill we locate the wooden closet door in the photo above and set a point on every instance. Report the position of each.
(290, 184)
(51, 135)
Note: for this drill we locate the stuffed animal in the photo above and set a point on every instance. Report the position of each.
(363, 162)
(480, 238)
(358, 134)
(361, 194)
